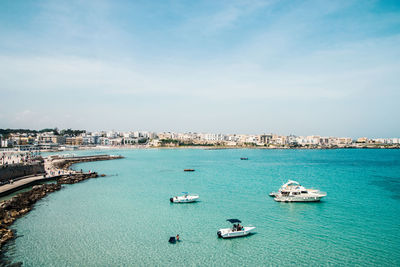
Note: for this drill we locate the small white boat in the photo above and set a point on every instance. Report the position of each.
(292, 191)
(186, 198)
(236, 230)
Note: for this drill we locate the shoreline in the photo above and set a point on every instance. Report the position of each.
(210, 147)
(217, 148)
(22, 203)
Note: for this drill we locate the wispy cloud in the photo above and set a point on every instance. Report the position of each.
(226, 16)
(130, 57)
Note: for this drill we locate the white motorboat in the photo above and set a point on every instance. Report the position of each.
(292, 191)
(236, 230)
(186, 198)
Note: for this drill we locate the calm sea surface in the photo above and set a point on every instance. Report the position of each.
(126, 218)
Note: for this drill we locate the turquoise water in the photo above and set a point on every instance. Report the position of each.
(126, 218)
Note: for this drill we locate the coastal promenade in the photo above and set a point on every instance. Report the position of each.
(30, 180)
(56, 167)
(22, 183)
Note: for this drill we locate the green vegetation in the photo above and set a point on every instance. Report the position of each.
(193, 144)
(250, 144)
(71, 132)
(168, 141)
(6, 132)
(165, 142)
(142, 141)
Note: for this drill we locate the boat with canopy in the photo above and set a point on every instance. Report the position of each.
(236, 230)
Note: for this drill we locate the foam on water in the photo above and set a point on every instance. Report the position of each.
(126, 219)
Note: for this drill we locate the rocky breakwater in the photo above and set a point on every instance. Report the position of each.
(19, 205)
(76, 178)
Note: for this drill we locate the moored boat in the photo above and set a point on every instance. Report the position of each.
(236, 230)
(186, 198)
(292, 191)
(188, 170)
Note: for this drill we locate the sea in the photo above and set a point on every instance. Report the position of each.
(126, 218)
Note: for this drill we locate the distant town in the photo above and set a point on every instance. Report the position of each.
(54, 139)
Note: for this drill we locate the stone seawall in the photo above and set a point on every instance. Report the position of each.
(16, 171)
(65, 163)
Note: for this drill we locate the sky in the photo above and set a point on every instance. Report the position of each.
(328, 68)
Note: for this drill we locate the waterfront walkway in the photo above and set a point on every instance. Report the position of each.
(22, 183)
(53, 172)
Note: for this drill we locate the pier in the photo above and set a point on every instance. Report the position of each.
(66, 162)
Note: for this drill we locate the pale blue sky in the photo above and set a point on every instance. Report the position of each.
(301, 67)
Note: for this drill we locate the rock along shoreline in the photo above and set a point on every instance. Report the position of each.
(19, 205)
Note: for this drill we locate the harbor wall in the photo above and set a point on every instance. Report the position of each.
(16, 171)
(65, 163)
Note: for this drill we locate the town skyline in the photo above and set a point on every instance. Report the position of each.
(190, 131)
(45, 139)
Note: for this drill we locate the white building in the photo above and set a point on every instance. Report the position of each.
(104, 141)
(6, 143)
(111, 134)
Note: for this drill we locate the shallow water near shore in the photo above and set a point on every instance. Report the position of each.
(126, 218)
